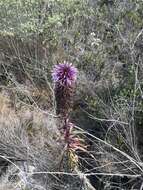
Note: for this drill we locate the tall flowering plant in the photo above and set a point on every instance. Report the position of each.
(64, 76)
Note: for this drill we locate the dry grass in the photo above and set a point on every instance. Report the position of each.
(28, 137)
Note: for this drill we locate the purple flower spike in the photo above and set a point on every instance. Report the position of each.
(64, 74)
